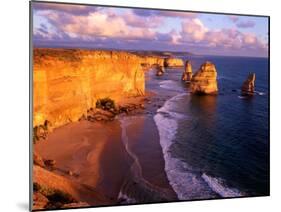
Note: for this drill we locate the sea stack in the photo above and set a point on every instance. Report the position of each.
(187, 74)
(248, 87)
(173, 62)
(159, 71)
(204, 81)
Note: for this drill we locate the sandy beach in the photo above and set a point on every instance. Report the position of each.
(81, 148)
(112, 157)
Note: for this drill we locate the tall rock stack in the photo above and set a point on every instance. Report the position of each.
(248, 87)
(187, 74)
(159, 70)
(204, 81)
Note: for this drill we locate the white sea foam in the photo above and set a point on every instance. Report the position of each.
(187, 183)
(125, 199)
(170, 85)
(219, 187)
(260, 93)
(242, 97)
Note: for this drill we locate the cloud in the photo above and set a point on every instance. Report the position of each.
(164, 13)
(145, 13)
(66, 8)
(227, 38)
(97, 24)
(249, 38)
(241, 24)
(233, 18)
(142, 21)
(246, 24)
(193, 30)
(139, 29)
(178, 14)
(163, 37)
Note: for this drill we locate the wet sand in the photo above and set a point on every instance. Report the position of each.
(148, 181)
(98, 157)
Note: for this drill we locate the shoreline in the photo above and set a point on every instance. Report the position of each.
(86, 146)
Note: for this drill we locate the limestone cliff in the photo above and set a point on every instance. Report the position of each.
(204, 81)
(68, 82)
(173, 62)
(187, 74)
(149, 61)
(248, 87)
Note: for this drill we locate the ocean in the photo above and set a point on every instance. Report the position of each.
(215, 146)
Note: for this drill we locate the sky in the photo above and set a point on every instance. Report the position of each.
(82, 26)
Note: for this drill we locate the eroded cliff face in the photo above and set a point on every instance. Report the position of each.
(204, 81)
(248, 87)
(152, 61)
(68, 82)
(187, 74)
(173, 62)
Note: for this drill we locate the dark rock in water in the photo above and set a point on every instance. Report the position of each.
(159, 71)
(248, 87)
(234, 90)
(187, 74)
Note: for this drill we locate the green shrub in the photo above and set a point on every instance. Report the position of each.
(105, 104)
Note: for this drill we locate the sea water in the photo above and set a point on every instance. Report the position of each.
(215, 146)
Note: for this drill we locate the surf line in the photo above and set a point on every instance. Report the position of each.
(136, 170)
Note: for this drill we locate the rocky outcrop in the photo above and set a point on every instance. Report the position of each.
(39, 201)
(65, 190)
(187, 74)
(159, 70)
(150, 61)
(37, 159)
(248, 87)
(204, 81)
(67, 82)
(173, 62)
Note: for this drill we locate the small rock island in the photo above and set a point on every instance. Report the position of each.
(159, 71)
(187, 74)
(248, 87)
(204, 81)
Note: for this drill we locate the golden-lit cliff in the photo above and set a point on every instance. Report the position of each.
(68, 82)
(173, 62)
(152, 60)
(204, 81)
